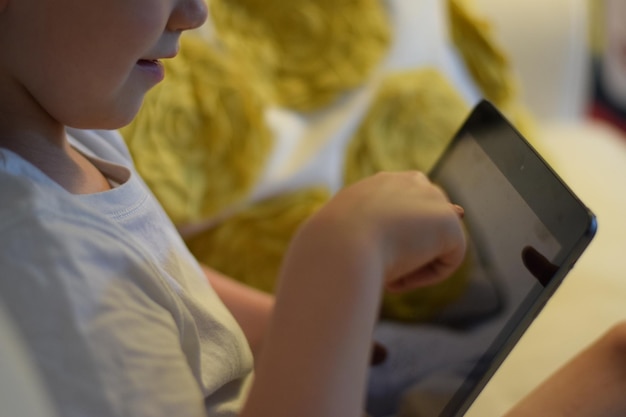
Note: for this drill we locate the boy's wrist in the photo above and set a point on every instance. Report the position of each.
(334, 239)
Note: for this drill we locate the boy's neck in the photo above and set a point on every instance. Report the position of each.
(30, 132)
(56, 158)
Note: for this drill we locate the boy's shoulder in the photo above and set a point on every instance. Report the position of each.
(77, 291)
(38, 222)
(22, 199)
(27, 202)
(49, 237)
(36, 217)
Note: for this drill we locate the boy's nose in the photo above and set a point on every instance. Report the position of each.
(188, 14)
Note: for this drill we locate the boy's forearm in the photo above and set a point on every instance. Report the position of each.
(315, 359)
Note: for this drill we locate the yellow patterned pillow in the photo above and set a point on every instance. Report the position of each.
(303, 54)
(487, 62)
(411, 119)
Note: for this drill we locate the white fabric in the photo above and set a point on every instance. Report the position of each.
(547, 43)
(21, 391)
(113, 308)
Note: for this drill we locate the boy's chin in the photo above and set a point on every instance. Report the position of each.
(125, 115)
(113, 121)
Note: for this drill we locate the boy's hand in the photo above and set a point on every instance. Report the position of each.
(405, 222)
(395, 230)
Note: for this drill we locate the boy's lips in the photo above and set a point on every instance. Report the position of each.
(152, 67)
(147, 61)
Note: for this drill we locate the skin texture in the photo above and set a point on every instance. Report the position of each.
(90, 50)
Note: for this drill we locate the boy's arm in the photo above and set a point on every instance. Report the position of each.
(251, 308)
(393, 230)
(315, 359)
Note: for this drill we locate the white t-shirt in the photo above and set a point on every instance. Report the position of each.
(116, 312)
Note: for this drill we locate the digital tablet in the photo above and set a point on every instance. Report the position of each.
(525, 228)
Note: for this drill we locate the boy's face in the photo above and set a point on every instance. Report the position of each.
(88, 63)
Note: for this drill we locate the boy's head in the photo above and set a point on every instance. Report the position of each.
(87, 63)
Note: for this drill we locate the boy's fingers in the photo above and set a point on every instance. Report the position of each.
(459, 210)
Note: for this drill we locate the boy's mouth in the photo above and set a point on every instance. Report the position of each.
(148, 62)
(152, 67)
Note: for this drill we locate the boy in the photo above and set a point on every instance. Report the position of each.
(119, 318)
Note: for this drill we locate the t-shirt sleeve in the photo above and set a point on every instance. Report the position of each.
(105, 334)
